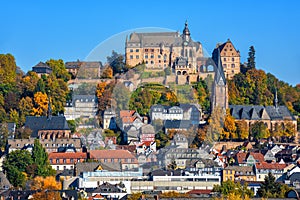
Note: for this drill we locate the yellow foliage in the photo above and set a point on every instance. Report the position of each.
(41, 104)
(100, 89)
(48, 188)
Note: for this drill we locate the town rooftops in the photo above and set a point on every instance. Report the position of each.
(45, 123)
(81, 167)
(265, 165)
(71, 155)
(178, 124)
(242, 157)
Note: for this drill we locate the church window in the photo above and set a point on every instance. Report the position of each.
(131, 57)
(137, 50)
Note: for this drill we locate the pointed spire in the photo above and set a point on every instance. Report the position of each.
(276, 99)
(49, 113)
(186, 32)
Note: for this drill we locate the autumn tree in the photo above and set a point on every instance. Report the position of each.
(229, 188)
(215, 125)
(7, 73)
(40, 104)
(242, 129)
(121, 96)
(58, 69)
(25, 108)
(47, 188)
(229, 130)
(107, 72)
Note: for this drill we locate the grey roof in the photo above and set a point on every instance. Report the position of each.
(45, 123)
(178, 124)
(161, 172)
(4, 183)
(158, 39)
(92, 166)
(256, 112)
(83, 98)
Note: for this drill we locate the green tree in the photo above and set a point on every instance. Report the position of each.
(116, 61)
(40, 158)
(7, 72)
(15, 165)
(58, 69)
(228, 188)
(3, 135)
(259, 130)
(251, 58)
(272, 189)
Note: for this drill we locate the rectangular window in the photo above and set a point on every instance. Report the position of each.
(159, 56)
(137, 57)
(57, 161)
(146, 56)
(232, 59)
(152, 56)
(64, 160)
(224, 59)
(71, 160)
(50, 161)
(131, 50)
(137, 50)
(131, 57)
(146, 50)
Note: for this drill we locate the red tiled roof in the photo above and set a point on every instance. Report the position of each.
(116, 154)
(68, 155)
(126, 113)
(128, 119)
(146, 143)
(241, 157)
(265, 165)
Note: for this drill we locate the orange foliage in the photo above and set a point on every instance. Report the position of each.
(48, 188)
(41, 104)
(100, 89)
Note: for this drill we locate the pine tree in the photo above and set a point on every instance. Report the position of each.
(251, 58)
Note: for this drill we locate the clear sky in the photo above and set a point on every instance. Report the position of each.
(36, 31)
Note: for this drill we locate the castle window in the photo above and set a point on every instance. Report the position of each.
(225, 49)
(146, 61)
(137, 57)
(152, 62)
(152, 50)
(232, 66)
(146, 56)
(146, 50)
(230, 49)
(152, 56)
(137, 50)
(159, 56)
(224, 65)
(224, 59)
(159, 61)
(232, 59)
(131, 50)
(131, 57)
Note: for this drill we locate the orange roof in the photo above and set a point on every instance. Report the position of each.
(126, 113)
(241, 157)
(128, 119)
(265, 165)
(109, 153)
(68, 155)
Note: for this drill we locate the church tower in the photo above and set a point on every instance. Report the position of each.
(220, 88)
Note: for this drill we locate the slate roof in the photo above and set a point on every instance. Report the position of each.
(177, 124)
(256, 112)
(92, 166)
(161, 172)
(45, 123)
(4, 183)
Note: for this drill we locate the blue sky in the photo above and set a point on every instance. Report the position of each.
(36, 31)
